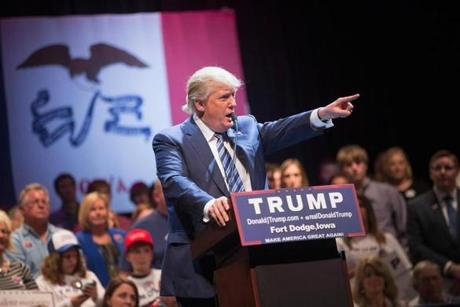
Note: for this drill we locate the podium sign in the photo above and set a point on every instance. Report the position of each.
(286, 215)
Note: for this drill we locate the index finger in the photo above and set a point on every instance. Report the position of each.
(350, 98)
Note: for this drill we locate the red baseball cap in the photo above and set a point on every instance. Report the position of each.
(137, 235)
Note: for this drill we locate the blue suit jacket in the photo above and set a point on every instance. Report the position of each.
(191, 177)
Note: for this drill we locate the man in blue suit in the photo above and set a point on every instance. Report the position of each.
(194, 178)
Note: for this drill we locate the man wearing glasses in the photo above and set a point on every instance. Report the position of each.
(433, 219)
(31, 239)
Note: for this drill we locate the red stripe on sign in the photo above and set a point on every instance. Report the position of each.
(195, 39)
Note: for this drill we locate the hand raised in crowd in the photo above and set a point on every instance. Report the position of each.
(218, 211)
(342, 107)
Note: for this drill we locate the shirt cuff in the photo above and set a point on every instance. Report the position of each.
(447, 267)
(316, 122)
(206, 210)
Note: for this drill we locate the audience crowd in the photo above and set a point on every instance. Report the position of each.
(86, 254)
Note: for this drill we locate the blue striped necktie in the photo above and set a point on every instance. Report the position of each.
(452, 215)
(233, 178)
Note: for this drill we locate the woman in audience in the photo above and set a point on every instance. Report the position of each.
(102, 186)
(293, 174)
(14, 275)
(374, 286)
(121, 292)
(101, 245)
(65, 275)
(397, 171)
(377, 244)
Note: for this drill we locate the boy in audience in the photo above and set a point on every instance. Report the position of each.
(139, 254)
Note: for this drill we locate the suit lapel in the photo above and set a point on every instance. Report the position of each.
(204, 154)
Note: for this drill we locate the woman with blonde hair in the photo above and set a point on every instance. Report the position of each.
(14, 275)
(293, 174)
(397, 171)
(65, 275)
(102, 245)
(374, 286)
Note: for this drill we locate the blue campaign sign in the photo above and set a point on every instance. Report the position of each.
(275, 216)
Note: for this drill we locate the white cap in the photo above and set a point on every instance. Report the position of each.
(61, 241)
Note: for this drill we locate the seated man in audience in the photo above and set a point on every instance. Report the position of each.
(428, 282)
(31, 239)
(433, 222)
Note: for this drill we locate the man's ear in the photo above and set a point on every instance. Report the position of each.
(199, 106)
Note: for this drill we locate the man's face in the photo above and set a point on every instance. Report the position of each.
(216, 111)
(67, 190)
(292, 177)
(355, 171)
(140, 256)
(36, 207)
(443, 172)
(429, 285)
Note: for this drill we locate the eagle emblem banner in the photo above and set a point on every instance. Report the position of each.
(86, 94)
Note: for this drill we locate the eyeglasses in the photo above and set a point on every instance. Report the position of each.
(38, 201)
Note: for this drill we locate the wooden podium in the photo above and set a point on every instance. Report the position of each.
(302, 273)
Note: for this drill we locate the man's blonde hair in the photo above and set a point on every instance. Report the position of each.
(351, 153)
(32, 187)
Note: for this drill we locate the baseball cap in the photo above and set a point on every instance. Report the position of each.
(61, 241)
(136, 236)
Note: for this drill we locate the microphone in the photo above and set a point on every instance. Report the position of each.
(235, 121)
